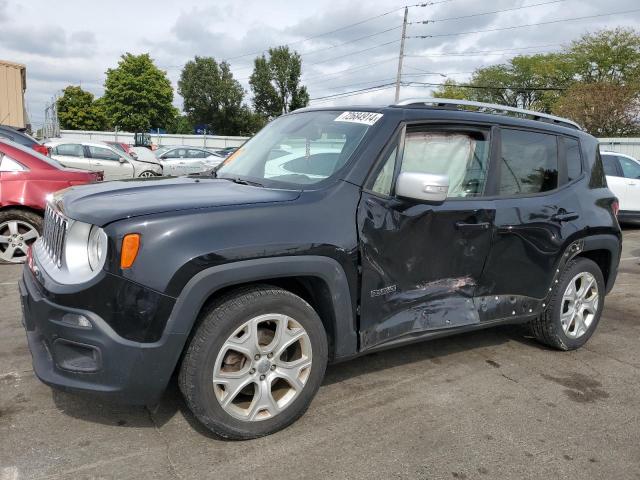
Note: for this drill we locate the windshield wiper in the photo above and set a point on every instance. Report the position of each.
(242, 181)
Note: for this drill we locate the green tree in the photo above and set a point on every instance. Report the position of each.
(607, 56)
(211, 95)
(451, 89)
(604, 109)
(181, 125)
(138, 95)
(77, 110)
(275, 83)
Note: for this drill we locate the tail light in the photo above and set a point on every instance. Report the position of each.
(41, 149)
(615, 207)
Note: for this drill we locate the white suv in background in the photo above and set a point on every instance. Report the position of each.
(623, 178)
(97, 156)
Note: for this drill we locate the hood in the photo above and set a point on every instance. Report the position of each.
(103, 203)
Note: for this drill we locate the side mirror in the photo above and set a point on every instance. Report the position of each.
(423, 187)
(122, 160)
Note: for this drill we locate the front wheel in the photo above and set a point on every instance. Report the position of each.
(18, 230)
(147, 174)
(255, 362)
(575, 307)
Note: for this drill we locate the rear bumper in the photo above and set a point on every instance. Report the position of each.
(93, 359)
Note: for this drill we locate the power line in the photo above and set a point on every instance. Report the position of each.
(353, 53)
(353, 92)
(351, 25)
(357, 67)
(527, 25)
(350, 41)
(485, 13)
(489, 87)
(479, 52)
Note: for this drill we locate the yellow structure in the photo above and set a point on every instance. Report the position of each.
(13, 83)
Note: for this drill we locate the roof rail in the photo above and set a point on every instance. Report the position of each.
(487, 108)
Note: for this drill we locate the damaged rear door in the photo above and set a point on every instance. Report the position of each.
(421, 262)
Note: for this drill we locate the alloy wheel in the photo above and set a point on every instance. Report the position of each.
(15, 238)
(579, 305)
(147, 174)
(262, 367)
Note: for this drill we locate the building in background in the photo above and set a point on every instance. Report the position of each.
(13, 83)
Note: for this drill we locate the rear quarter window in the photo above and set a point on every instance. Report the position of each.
(529, 163)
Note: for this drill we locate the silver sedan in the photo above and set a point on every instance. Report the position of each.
(185, 160)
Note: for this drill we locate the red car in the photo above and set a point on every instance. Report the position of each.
(124, 147)
(26, 179)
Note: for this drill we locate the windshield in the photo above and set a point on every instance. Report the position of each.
(300, 149)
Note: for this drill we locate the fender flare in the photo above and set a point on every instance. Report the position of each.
(208, 281)
(609, 242)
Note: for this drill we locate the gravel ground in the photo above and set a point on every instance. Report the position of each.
(491, 404)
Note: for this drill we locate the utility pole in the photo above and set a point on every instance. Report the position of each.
(404, 31)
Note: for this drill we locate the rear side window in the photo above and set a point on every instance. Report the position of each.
(462, 155)
(103, 153)
(630, 168)
(529, 163)
(610, 164)
(574, 164)
(69, 150)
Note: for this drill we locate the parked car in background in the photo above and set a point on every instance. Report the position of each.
(97, 156)
(225, 152)
(623, 178)
(26, 179)
(22, 138)
(123, 147)
(184, 160)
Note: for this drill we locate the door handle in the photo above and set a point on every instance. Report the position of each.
(565, 216)
(473, 226)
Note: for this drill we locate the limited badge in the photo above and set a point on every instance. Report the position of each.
(366, 118)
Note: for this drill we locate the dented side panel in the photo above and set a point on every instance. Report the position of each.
(420, 269)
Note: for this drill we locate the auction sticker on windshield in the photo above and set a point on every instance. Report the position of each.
(366, 118)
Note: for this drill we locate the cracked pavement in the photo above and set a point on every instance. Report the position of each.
(490, 404)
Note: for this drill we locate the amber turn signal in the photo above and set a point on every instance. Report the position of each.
(130, 247)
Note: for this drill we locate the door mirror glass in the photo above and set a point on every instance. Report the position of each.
(424, 187)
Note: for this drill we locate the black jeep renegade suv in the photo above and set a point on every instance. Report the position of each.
(330, 234)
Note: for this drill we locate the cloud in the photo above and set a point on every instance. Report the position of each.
(70, 42)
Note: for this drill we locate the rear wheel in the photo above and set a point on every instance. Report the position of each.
(18, 230)
(575, 307)
(255, 362)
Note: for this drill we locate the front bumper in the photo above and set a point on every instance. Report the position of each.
(93, 359)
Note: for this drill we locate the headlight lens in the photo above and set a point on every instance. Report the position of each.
(96, 247)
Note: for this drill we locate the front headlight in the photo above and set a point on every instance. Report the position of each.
(96, 248)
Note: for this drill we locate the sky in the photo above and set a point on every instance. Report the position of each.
(71, 42)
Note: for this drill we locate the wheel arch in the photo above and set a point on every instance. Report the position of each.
(320, 281)
(23, 208)
(604, 250)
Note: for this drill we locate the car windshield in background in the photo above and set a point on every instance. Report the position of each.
(300, 149)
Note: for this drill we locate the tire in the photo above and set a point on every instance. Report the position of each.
(548, 327)
(147, 174)
(210, 357)
(17, 222)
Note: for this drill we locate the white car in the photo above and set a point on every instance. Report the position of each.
(97, 156)
(623, 178)
(181, 160)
